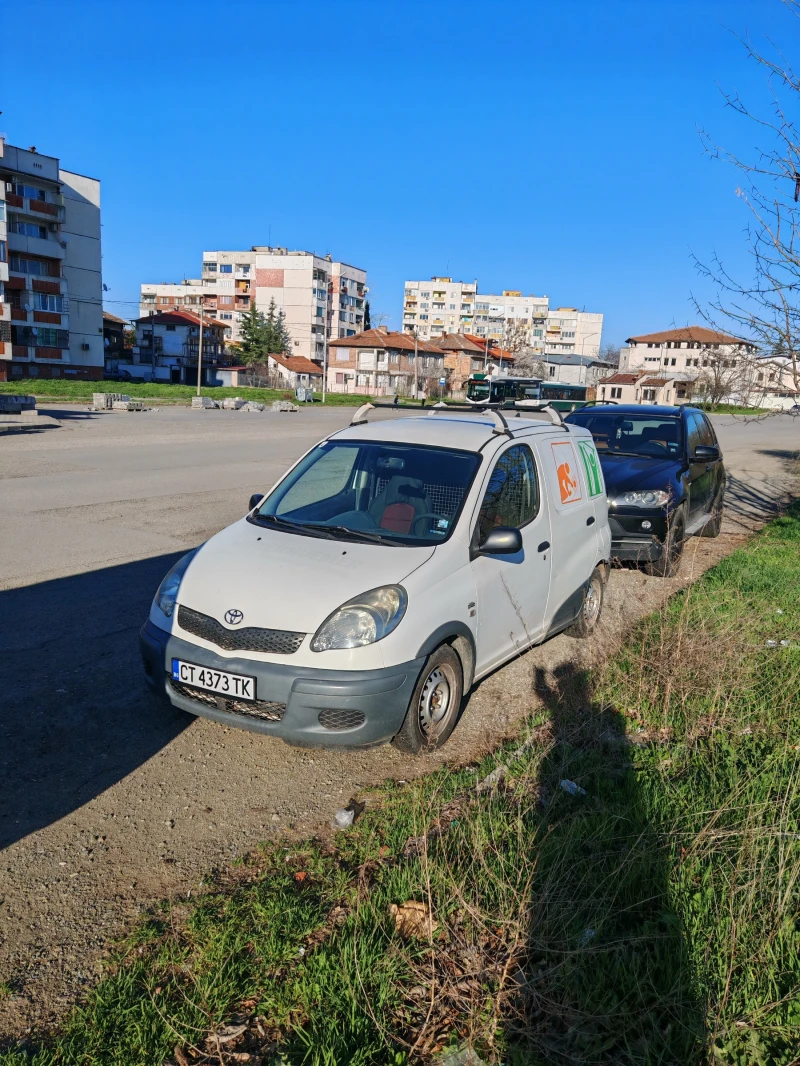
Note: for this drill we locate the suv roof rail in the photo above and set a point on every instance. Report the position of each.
(597, 403)
(493, 409)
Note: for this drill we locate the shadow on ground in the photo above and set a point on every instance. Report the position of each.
(76, 714)
(606, 975)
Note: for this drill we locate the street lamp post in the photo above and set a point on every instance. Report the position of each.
(200, 349)
(583, 346)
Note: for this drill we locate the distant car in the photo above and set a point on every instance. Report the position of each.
(394, 565)
(664, 476)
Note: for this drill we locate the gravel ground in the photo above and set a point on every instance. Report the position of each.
(109, 800)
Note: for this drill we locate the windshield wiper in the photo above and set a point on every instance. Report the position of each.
(358, 534)
(304, 529)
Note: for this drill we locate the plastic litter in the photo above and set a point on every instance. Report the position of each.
(779, 611)
(492, 779)
(772, 644)
(785, 643)
(572, 788)
(343, 818)
(587, 937)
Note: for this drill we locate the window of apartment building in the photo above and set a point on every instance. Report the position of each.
(29, 229)
(616, 393)
(210, 268)
(242, 268)
(673, 362)
(171, 328)
(2, 251)
(452, 307)
(424, 318)
(47, 269)
(226, 268)
(538, 332)
(225, 301)
(226, 315)
(51, 338)
(31, 191)
(425, 295)
(648, 394)
(568, 333)
(551, 370)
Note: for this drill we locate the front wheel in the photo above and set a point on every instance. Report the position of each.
(670, 562)
(433, 709)
(591, 608)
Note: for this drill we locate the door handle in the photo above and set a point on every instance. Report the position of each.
(590, 520)
(544, 546)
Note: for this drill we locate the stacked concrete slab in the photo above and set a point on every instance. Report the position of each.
(18, 405)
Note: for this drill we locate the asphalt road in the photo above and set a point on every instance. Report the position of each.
(109, 799)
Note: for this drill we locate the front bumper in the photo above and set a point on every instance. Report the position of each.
(631, 543)
(306, 707)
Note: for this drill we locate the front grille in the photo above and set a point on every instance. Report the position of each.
(270, 641)
(340, 719)
(264, 710)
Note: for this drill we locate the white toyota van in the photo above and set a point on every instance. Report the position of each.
(394, 565)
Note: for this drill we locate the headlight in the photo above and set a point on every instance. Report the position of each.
(168, 589)
(362, 620)
(647, 498)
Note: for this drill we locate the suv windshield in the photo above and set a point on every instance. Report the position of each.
(656, 437)
(373, 491)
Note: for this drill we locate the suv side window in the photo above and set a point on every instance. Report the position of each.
(694, 433)
(707, 434)
(512, 494)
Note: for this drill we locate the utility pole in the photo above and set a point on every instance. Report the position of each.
(416, 365)
(200, 348)
(324, 368)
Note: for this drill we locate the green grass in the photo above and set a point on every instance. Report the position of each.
(653, 920)
(729, 409)
(50, 390)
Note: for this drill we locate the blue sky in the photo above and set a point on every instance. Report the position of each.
(545, 146)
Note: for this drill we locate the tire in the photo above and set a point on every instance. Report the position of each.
(670, 562)
(591, 608)
(441, 679)
(713, 526)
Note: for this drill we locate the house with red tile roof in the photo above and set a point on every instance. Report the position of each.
(167, 345)
(379, 362)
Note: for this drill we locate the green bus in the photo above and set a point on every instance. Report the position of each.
(507, 390)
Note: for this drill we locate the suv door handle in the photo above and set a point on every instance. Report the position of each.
(544, 546)
(590, 520)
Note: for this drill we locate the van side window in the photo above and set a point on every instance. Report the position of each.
(512, 494)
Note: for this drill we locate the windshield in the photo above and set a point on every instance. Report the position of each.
(631, 434)
(478, 390)
(373, 491)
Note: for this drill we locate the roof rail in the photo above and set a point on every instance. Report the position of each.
(501, 426)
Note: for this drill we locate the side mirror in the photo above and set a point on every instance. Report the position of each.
(503, 540)
(707, 452)
(255, 500)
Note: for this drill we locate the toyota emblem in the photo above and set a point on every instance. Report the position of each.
(233, 618)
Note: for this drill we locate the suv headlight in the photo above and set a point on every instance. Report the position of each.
(647, 498)
(168, 589)
(362, 620)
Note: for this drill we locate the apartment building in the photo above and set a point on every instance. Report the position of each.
(322, 299)
(378, 362)
(51, 322)
(688, 349)
(441, 305)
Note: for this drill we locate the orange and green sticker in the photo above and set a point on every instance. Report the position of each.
(591, 464)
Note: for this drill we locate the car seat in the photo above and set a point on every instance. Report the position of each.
(663, 435)
(399, 503)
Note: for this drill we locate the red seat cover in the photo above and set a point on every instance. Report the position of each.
(398, 517)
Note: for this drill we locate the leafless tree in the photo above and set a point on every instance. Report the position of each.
(764, 308)
(609, 353)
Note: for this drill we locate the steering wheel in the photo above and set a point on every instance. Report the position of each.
(431, 514)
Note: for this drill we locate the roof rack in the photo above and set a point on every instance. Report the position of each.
(493, 409)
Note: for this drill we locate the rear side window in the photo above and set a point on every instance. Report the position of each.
(512, 495)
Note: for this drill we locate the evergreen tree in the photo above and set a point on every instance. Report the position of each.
(276, 334)
(366, 315)
(254, 345)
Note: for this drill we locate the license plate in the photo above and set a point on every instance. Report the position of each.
(236, 685)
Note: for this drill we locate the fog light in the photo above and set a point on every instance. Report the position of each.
(646, 525)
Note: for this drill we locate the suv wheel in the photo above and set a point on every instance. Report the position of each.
(670, 562)
(713, 526)
(434, 706)
(592, 606)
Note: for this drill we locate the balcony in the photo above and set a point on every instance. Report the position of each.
(41, 209)
(50, 248)
(19, 314)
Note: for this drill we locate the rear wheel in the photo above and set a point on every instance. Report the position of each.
(670, 562)
(592, 606)
(713, 526)
(433, 709)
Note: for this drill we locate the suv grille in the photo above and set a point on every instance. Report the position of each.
(270, 641)
(261, 709)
